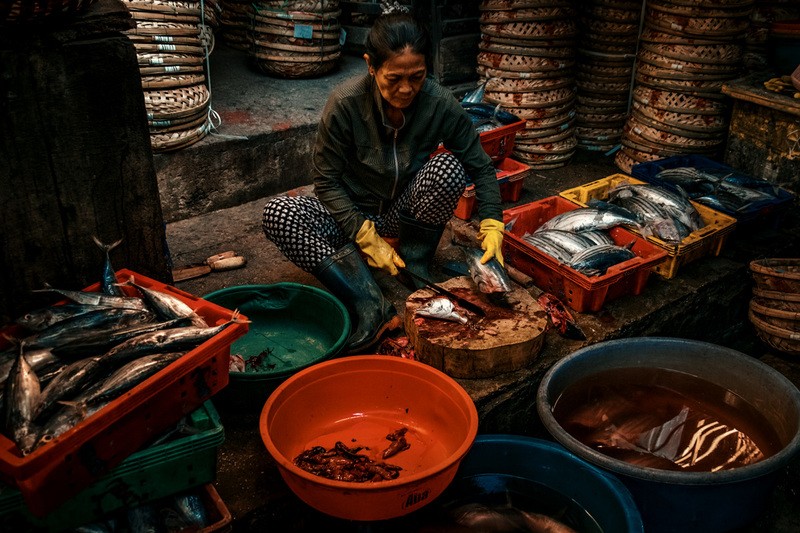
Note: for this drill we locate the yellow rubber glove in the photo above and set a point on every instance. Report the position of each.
(379, 253)
(491, 236)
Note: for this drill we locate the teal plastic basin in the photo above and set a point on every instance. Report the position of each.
(292, 326)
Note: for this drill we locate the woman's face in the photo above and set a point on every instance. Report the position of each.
(400, 77)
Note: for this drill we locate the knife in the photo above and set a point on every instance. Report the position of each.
(463, 302)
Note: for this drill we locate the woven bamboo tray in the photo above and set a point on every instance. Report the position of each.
(669, 75)
(297, 5)
(701, 9)
(533, 31)
(583, 109)
(538, 99)
(305, 17)
(652, 34)
(678, 102)
(543, 123)
(703, 27)
(626, 158)
(599, 119)
(191, 40)
(541, 49)
(294, 65)
(533, 113)
(636, 128)
(599, 134)
(606, 71)
(706, 137)
(153, 16)
(146, 59)
(536, 147)
(777, 313)
(532, 14)
(505, 5)
(600, 88)
(535, 135)
(23, 11)
(543, 161)
(170, 70)
(543, 44)
(490, 72)
(176, 103)
(520, 85)
(167, 142)
(169, 48)
(597, 11)
(172, 81)
(782, 339)
(521, 63)
(728, 4)
(705, 89)
(167, 126)
(782, 300)
(692, 70)
(171, 29)
(685, 121)
(171, 8)
(327, 31)
(597, 57)
(710, 54)
(602, 27)
(777, 274)
(606, 102)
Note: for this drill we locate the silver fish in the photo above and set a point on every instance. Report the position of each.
(166, 305)
(45, 317)
(550, 248)
(598, 237)
(127, 377)
(657, 219)
(676, 204)
(22, 396)
(441, 308)
(65, 418)
(587, 219)
(96, 298)
(571, 242)
(37, 359)
(475, 96)
(169, 340)
(596, 260)
(490, 278)
(108, 280)
(70, 381)
(103, 318)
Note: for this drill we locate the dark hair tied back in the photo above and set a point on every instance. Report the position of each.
(391, 34)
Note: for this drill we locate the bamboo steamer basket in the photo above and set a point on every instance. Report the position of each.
(777, 274)
(782, 339)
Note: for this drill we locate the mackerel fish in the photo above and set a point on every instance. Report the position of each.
(96, 298)
(22, 395)
(69, 382)
(165, 305)
(587, 219)
(547, 246)
(572, 243)
(596, 260)
(489, 277)
(441, 308)
(45, 317)
(108, 280)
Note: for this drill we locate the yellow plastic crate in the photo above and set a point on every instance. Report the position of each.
(708, 241)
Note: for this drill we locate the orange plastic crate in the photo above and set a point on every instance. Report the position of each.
(511, 175)
(582, 293)
(54, 472)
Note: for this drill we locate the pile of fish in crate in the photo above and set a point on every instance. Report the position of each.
(596, 242)
(101, 376)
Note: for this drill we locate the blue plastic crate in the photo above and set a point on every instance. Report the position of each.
(766, 212)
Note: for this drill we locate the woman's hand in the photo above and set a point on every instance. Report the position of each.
(379, 253)
(491, 236)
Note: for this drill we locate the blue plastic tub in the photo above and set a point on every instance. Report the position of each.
(496, 462)
(768, 211)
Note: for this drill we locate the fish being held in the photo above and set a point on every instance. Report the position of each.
(441, 308)
(491, 277)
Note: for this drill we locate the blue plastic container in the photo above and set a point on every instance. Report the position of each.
(677, 501)
(768, 211)
(547, 463)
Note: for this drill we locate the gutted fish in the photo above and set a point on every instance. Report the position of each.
(441, 308)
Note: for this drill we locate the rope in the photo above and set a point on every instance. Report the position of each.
(213, 120)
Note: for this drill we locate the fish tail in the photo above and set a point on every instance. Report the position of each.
(236, 317)
(106, 247)
(79, 406)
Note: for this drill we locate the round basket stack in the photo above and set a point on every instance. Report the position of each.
(775, 306)
(234, 22)
(295, 38)
(527, 57)
(609, 31)
(687, 51)
(171, 58)
(27, 11)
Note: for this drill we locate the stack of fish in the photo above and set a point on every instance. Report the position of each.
(70, 360)
(526, 57)
(578, 239)
(172, 56)
(726, 191)
(687, 51)
(609, 33)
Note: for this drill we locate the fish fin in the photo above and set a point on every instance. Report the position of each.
(235, 317)
(79, 406)
(129, 283)
(106, 247)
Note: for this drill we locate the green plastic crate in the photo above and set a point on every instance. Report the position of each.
(155, 472)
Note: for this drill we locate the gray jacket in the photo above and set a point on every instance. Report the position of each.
(361, 165)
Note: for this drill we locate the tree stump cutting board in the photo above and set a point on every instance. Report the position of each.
(508, 338)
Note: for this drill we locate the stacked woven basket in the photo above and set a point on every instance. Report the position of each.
(775, 307)
(609, 32)
(687, 51)
(171, 58)
(295, 38)
(235, 23)
(527, 58)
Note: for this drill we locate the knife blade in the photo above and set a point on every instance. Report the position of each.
(463, 302)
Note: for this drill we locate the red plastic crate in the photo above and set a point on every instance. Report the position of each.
(511, 175)
(582, 293)
(498, 143)
(54, 472)
(219, 516)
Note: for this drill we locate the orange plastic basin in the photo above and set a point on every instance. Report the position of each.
(359, 400)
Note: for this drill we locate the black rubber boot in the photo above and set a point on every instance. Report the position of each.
(418, 243)
(348, 277)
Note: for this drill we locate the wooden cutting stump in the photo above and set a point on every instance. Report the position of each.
(508, 338)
